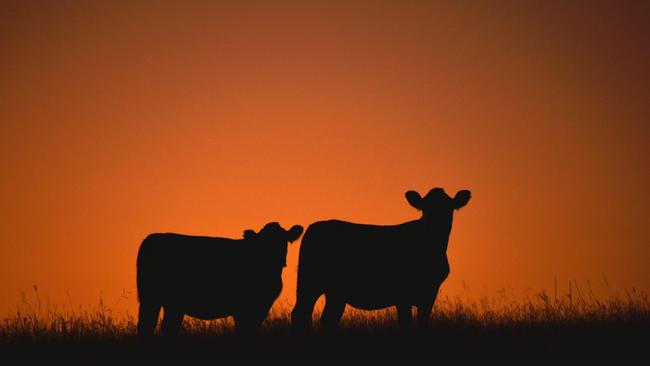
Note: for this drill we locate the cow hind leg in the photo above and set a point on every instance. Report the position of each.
(404, 317)
(147, 319)
(172, 321)
(249, 322)
(302, 311)
(332, 313)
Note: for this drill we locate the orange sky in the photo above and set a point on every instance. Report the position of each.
(121, 120)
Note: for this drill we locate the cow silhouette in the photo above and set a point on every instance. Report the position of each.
(374, 267)
(211, 277)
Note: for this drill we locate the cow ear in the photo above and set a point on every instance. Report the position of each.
(461, 198)
(294, 233)
(249, 234)
(414, 199)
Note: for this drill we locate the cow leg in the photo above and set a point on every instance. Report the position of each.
(424, 313)
(405, 317)
(302, 311)
(249, 322)
(147, 319)
(424, 309)
(172, 321)
(332, 313)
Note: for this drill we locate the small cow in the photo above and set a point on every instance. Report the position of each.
(211, 277)
(373, 267)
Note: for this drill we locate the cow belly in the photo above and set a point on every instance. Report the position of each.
(375, 286)
(202, 305)
(372, 299)
(370, 302)
(208, 312)
(371, 294)
(226, 301)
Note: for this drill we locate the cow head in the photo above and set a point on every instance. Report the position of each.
(437, 206)
(272, 241)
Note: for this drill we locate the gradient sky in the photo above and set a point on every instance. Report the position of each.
(121, 119)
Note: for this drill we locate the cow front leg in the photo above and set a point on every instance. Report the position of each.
(424, 309)
(404, 317)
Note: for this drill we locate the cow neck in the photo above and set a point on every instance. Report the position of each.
(436, 235)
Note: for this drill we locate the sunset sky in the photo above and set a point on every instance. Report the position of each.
(118, 119)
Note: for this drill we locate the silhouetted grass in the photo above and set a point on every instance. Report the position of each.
(580, 327)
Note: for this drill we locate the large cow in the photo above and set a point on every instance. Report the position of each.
(211, 277)
(374, 267)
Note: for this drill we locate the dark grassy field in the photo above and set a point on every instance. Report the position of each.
(541, 330)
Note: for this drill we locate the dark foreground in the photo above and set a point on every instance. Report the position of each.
(616, 343)
(541, 331)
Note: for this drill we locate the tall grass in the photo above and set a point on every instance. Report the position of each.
(34, 321)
